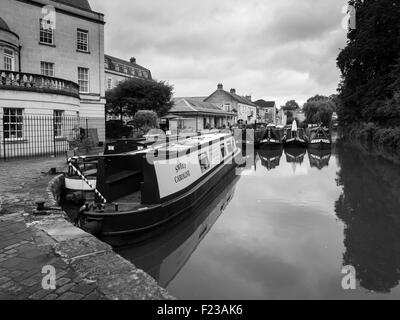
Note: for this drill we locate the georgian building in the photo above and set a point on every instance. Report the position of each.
(232, 102)
(118, 70)
(51, 64)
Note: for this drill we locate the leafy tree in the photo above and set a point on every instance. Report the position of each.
(145, 120)
(319, 112)
(133, 95)
(291, 105)
(369, 61)
(317, 98)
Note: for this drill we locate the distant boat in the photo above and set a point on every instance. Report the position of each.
(272, 138)
(320, 138)
(295, 137)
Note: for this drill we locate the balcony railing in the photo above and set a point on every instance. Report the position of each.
(12, 80)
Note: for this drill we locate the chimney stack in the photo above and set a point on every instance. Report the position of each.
(220, 86)
(133, 60)
(248, 98)
(233, 91)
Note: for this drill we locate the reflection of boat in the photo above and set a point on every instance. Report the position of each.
(270, 159)
(319, 138)
(295, 155)
(319, 158)
(295, 137)
(272, 138)
(154, 185)
(162, 255)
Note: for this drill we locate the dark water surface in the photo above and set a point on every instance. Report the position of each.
(284, 229)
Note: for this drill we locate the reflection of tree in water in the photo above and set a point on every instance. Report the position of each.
(370, 208)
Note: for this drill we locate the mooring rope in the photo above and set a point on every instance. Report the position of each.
(87, 182)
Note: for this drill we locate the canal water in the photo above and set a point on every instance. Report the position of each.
(284, 229)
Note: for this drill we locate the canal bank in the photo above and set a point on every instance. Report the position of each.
(86, 268)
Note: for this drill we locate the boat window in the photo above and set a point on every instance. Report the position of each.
(204, 162)
(223, 150)
(229, 146)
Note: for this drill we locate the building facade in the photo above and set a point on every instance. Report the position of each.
(51, 64)
(267, 111)
(118, 70)
(230, 101)
(194, 114)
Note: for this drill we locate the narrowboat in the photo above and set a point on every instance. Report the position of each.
(295, 137)
(272, 138)
(143, 189)
(319, 138)
(270, 158)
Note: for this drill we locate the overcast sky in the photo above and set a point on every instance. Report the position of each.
(270, 49)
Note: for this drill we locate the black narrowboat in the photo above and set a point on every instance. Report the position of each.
(140, 190)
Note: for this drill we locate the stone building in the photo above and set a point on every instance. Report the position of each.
(118, 70)
(51, 64)
(232, 102)
(194, 114)
(266, 111)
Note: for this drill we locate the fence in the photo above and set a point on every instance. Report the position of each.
(26, 136)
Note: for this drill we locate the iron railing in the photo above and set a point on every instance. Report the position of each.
(27, 136)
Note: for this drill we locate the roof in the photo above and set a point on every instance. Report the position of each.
(195, 105)
(235, 97)
(265, 104)
(81, 4)
(125, 62)
(4, 25)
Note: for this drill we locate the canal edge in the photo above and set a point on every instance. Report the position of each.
(95, 261)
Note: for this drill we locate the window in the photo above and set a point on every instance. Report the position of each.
(46, 32)
(145, 74)
(47, 68)
(8, 60)
(58, 117)
(83, 40)
(83, 79)
(13, 123)
(109, 83)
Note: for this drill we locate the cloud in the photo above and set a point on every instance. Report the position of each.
(272, 49)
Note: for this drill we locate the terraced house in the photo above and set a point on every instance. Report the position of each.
(51, 74)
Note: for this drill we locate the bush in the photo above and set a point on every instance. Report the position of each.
(115, 129)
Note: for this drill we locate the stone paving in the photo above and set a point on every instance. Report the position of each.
(86, 268)
(21, 259)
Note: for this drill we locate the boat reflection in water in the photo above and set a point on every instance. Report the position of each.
(319, 158)
(270, 158)
(295, 155)
(163, 254)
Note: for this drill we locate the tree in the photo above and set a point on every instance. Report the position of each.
(291, 105)
(133, 95)
(319, 112)
(317, 98)
(145, 120)
(368, 61)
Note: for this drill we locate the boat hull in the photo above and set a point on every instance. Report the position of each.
(295, 143)
(268, 144)
(116, 224)
(320, 145)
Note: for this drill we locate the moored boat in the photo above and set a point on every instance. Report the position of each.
(295, 137)
(144, 189)
(273, 137)
(319, 138)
